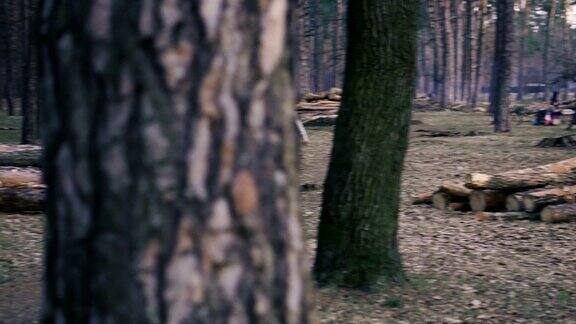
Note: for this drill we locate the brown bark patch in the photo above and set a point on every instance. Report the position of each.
(245, 193)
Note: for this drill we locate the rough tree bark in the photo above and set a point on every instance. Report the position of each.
(502, 65)
(171, 163)
(357, 240)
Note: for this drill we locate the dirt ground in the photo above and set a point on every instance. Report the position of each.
(459, 270)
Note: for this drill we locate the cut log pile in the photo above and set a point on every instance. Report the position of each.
(21, 190)
(546, 192)
(320, 109)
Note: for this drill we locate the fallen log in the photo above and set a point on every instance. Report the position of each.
(515, 202)
(323, 120)
(423, 199)
(506, 216)
(20, 177)
(559, 213)
(443, 201)
(487, 200)
(22, 158)
(537, 200)
(563, 172)
(459, 206)
(455, 189)
(440, 200)
(17, 200)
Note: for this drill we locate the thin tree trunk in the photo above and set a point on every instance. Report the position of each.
(524, 33)
(304, 46)
(30, 104)
(335, 38)
(479, 52)
(357, 239)
(318, 46)
(546, 50)
(502, 65)
(171, 164)
(445, 59)
(14, 56)
(466, 83)
(435, 43)
(456, 66)
(341, 50)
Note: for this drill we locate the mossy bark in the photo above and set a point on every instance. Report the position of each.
(171, 163)
(357, 240)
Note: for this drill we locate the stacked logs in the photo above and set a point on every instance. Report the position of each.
(320, 109)
(546, 192)
(21, 190)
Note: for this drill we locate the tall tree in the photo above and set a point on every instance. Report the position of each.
(171, 163)
(443, 14)
(12, 62)
(30, 93)
(502, 65)
(455, 48)
(523, 39)
(436, 46)
(357, 240)
(466, 78)
(481, 14)
(548, 33)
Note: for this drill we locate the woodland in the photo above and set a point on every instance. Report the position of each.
(287, 161)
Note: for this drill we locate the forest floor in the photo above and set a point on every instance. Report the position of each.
(458, 269)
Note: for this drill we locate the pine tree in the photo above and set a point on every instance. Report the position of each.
(171, 164)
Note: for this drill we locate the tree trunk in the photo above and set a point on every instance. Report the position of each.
(445, 55)
(456, 64)
(30, 104)
(548, 32)
(502, 65)
(524, 33)
(171, 164)
(435, 40)
(479, 52)
(318, 46)
(466, 78)
(304, 31)
(357, 239)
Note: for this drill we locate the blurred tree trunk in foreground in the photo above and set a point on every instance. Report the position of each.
(171, 163)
